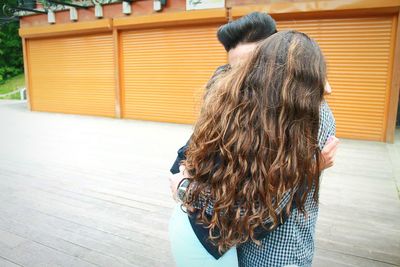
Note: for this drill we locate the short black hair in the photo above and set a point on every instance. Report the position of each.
(253, 27)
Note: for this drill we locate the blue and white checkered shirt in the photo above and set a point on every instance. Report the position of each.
(292, 243)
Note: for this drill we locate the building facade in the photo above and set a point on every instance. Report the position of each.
(152, 65)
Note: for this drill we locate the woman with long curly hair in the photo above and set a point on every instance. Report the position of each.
(254, 158)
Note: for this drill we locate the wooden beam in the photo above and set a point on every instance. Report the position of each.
(276, 8)
(394, 85)
(175, 18)
(67, 29)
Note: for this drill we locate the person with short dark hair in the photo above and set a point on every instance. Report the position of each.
(251, 28)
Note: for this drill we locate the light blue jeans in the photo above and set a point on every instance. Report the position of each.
(187, 249)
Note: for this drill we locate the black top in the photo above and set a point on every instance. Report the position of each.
(202, 232)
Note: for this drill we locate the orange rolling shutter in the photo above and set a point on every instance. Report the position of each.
(358, 53)
(72, 74)
(165, 69)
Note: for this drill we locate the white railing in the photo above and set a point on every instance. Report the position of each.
(20, 91)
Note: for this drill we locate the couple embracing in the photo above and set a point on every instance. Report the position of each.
(248, 180)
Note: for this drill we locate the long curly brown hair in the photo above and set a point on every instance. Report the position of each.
(256, 138)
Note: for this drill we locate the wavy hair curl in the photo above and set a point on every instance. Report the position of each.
(256, 138)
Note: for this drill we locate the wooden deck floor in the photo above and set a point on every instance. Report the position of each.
(88, 191)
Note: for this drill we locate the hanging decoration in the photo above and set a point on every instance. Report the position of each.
(126, 7)
(49, 7)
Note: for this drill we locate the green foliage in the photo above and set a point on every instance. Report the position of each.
(11, 60)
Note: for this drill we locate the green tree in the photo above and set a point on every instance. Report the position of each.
(11, 60)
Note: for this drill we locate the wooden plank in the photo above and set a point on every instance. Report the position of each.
(171, 19)
(31, 253)
(317, 7)
(92, 248)
(8, 263)
(44, 204)
(394, 154)
(331, 258)
(100, 195)
(95, 26)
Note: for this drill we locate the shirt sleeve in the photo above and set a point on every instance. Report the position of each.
(327, 124)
